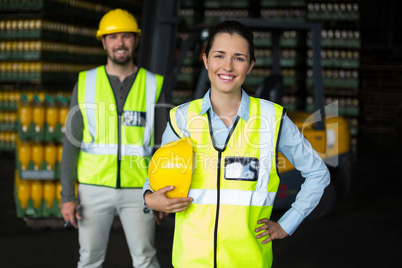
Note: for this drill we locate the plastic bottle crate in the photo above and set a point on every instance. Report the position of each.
(337, 63)
(34, 55)
(8, 106)
(226, 4)
(41, 134)
(262, 39)
(7, 146)
(338, 43)
(331, 82)
(25, 202)
(34, 76)
(38, 198)
(42, 173)
(23, 5)
(37, 160)
(340, 11)
(263, 62)
(278, 3)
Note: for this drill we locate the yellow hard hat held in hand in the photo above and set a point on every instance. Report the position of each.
(172, 164)
(117, 21)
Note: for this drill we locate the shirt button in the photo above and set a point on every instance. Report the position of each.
(121, 97)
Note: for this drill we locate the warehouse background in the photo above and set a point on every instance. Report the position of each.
(43, 46)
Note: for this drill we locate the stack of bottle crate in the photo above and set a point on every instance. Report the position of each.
(40, 128)
(44, 44)
(8, 119)
(340, 54)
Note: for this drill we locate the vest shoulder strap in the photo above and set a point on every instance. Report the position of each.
(178, 117)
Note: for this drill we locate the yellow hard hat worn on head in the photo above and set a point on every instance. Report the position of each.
(117, 21)
(172, 164)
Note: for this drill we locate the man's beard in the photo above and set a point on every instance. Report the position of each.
(119, 62)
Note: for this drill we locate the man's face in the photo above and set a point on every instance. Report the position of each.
(120, 47)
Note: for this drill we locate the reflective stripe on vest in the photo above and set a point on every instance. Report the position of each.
(233, 197)
(90, 89)
(223, 216)
(126, 150)
(101, 161)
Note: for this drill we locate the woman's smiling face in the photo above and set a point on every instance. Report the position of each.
(228, 62)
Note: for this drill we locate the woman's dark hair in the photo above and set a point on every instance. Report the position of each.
(232, 27)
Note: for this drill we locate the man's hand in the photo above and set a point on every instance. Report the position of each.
(272, 229)
(68, 210)
(159, 216)
(160, 202)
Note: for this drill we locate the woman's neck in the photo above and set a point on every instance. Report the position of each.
(226, 105)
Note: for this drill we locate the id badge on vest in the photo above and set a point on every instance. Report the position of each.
(241, 168)
(134, 118)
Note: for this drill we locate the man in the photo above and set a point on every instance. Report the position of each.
(109, 141)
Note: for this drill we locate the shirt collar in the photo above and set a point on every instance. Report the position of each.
(244, 108)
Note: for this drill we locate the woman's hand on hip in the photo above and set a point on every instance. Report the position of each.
(271, 229)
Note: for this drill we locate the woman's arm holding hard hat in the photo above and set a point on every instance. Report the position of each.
(160, 202)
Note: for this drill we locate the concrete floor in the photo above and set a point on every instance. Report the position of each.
(363, 231)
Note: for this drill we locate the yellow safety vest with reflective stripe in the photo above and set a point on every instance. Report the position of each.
(232, 188)
(116, 149)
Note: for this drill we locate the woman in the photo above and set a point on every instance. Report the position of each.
(224, 221)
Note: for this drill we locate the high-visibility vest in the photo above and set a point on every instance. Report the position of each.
(116, 149)
(232, 188)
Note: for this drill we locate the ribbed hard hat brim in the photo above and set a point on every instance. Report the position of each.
(99, 34)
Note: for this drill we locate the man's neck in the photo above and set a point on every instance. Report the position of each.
(121, 71)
